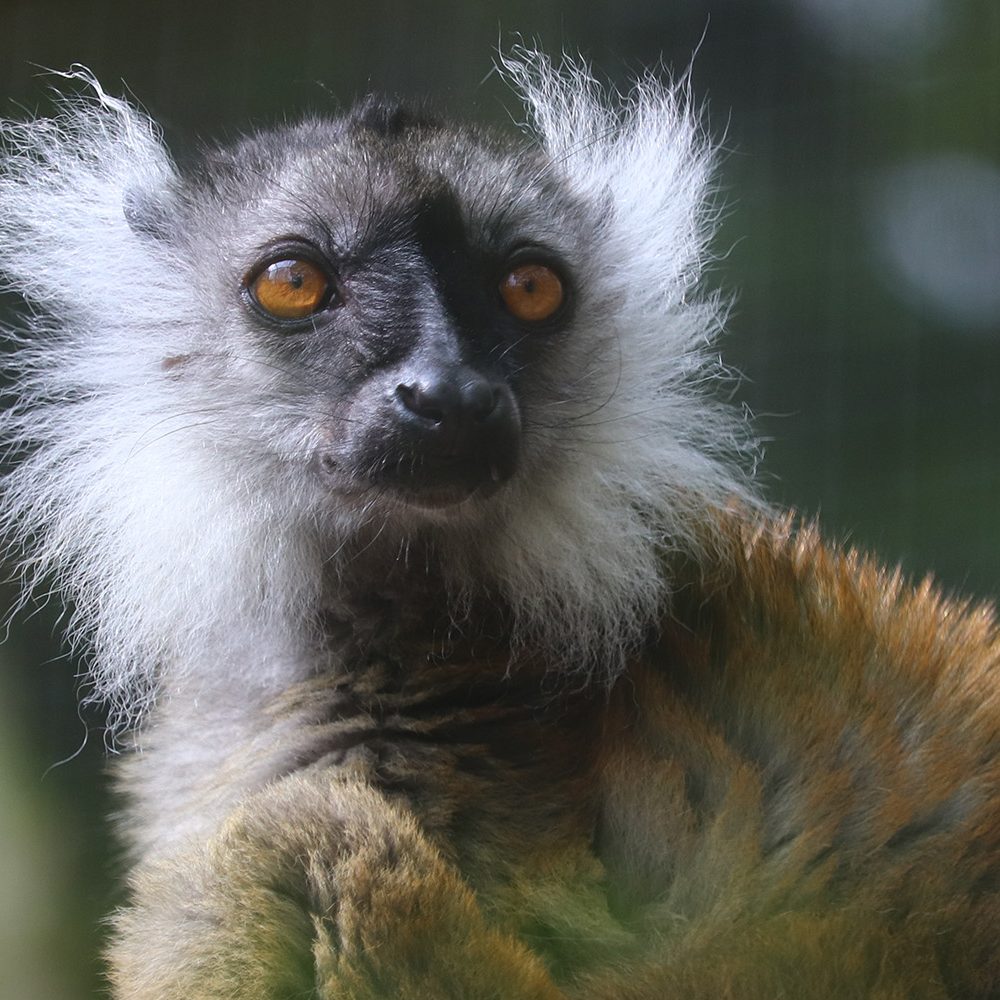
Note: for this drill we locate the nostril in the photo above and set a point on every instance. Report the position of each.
(421, 402)
(480, 398)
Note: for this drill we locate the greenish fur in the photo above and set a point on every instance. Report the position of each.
(792, 793)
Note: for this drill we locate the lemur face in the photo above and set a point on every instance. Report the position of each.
(405, 290)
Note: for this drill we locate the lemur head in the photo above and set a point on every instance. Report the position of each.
(393, 313)
(351, 339)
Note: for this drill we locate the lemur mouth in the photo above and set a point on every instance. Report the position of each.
(424, 485)
(440, 497)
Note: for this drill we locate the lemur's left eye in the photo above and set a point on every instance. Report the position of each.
(290, 289)
(532, 292)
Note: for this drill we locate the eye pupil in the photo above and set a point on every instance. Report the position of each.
(291, 288)
(532, 292)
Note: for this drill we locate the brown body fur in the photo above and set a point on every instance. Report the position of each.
(794, 792)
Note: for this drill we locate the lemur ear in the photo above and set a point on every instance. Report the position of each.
(148, 213)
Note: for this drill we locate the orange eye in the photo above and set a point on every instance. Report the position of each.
(291, 289)
(532, 292)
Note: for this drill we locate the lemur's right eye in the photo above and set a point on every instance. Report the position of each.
(532, 292)
(290, 289)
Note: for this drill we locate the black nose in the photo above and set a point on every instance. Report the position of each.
(455, 428)
(451, 400)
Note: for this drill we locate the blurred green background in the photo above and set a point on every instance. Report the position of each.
(862, 237)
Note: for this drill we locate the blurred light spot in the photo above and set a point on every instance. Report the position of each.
(875, 29)
(937, 227)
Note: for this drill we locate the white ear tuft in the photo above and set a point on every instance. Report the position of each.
(644, 154)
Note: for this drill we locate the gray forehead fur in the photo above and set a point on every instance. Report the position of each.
(347, 182)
